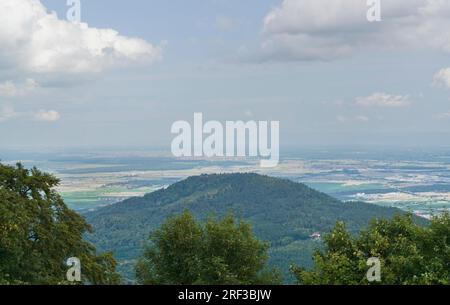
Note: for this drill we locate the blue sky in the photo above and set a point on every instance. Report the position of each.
(328, 75)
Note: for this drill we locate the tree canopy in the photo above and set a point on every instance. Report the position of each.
(410, 254)
(38, 233)
(184, 251)
(282, 212)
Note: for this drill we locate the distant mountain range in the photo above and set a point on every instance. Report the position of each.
(289, 215)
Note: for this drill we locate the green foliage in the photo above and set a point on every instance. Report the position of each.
(410, 254)
(38, 232)
(282, 212)
(186, 252)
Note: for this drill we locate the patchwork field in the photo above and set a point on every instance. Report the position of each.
(412, 182)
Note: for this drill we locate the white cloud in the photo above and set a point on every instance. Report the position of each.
(330, 29)
(47, 116)
(445, 115)
(36, 41)
(7, 113)
(352, 119)
(362, 118)
(442, 78)
(10, 89)
(381, 99)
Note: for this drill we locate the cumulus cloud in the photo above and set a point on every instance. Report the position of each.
(330, 29)
(442, 78)
(381, 99)
(11, 89)
(36, 41)
(47, 116)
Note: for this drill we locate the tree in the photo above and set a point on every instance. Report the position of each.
(183, 251)
(38, 233)
(410, 254)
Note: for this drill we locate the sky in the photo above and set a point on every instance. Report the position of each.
(130, 69)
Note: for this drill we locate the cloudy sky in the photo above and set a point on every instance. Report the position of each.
(132, 68)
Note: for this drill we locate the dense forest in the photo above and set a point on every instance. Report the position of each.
(408, 254)
(38, 233)
(388, 252)
(185, 251)
(214, 229)
(281, 212)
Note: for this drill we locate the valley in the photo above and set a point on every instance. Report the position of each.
(110, 188)
(414, 181)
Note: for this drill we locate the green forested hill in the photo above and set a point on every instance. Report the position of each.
(282, 212)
